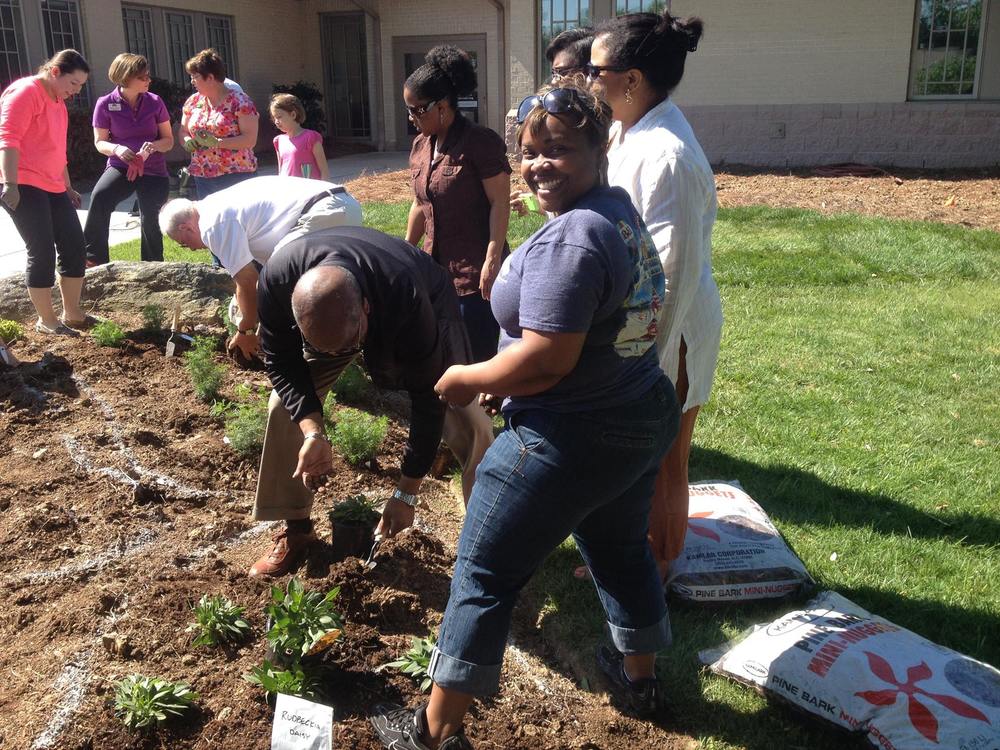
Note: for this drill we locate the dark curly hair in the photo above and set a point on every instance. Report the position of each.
(447, 73)
(655, 44)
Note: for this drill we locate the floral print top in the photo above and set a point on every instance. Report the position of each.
(222, 122)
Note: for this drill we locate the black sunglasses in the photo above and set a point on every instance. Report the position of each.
(421, 110)
(594, 71)
(555, 102)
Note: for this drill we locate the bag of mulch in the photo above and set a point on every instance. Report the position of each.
(861, 672)
(732, 551)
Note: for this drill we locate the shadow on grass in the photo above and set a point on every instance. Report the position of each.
(796, 496)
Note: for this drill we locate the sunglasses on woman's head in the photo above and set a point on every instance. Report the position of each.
(555, 102)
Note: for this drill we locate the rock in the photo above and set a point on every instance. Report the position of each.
(224, 713)
(39, 453)
(197, 288)
(116, 644)
(188, 659)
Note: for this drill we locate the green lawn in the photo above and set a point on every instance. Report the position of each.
(856, 400)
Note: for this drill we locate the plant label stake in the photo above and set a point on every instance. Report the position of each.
(176, 337)
(301, 725)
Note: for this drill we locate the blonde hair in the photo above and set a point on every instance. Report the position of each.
(288, 103)
(126, 67)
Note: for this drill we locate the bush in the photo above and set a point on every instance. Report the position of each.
(206, 375)
(173, 96)
(218, 620)
(85, 162)
(152, 318)
(245, 425)
(358, 435)
(312, 100)
(142, 702)
(356, 510)
(301, 620)
(416, 661)
(291, 681)
(353, 385)
(223, 313)
(108, 333)
(11, 330)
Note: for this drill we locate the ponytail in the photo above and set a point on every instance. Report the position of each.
(447, 73)
(657, 45)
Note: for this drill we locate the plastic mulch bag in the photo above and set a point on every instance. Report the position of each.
(861, 672)
(732, 551)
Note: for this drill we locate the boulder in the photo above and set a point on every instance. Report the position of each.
(197, 288)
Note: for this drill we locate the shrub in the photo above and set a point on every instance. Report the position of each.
(329, 406)
(301, 620)
(218, 620)
(312, 100)
(416, 661)
(172, 94)
(152, 318)
(11, 330)
(245, 425)
(356, 510)
(85, 162)
(206, 375)
(142, 702)
(353, 385)
(358, 435)
(108, 333)
(291, 681)
(227, 322)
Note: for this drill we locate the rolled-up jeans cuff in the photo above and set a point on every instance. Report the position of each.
(647, 640)
(463, 676)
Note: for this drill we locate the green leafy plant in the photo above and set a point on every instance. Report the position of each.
(11, 330)
(358, 435)
(245, 425)
(300, 619)
(152, 318)
(206, 374)
(291, 681)
(352, 385)
(143, 702)
(355, 510)
(329, 407)
(227, 322)
(218, 620)
(108, 333)
(416, 661)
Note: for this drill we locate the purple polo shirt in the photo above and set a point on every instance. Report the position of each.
(133, 127)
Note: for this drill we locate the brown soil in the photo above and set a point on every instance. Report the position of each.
(120, 506)
(967, 197)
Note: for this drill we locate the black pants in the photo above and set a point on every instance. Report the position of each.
(482, 327)
(50, 227)
(112, 189)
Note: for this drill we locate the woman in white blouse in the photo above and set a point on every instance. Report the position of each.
(635, 62)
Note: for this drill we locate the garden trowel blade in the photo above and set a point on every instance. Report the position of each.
(7, 356)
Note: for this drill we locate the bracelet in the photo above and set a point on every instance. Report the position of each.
(404, 497)
(315, 436)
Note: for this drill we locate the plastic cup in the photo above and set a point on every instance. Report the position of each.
(530, 202)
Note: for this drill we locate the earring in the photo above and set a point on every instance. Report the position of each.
(440, 117)
(628, 96)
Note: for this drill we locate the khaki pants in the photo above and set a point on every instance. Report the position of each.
(467, 431)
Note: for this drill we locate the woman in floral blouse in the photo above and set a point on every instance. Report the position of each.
(218, 127)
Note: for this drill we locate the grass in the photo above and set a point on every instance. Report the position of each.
(856, 400)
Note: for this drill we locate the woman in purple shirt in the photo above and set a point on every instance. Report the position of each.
(131, 128)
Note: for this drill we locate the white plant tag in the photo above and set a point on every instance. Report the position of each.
(301, 725)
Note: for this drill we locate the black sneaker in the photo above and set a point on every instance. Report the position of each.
(403, 729)
(643, 698)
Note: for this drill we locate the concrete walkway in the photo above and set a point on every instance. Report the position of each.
(125, 227)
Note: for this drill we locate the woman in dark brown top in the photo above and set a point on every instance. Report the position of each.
(461, 188)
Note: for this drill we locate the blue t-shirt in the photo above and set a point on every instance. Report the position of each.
(593, 269)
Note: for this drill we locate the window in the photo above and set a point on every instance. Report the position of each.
(641, 6)
(558, 16)
(61, 27)
(219, 35)
(139, 33)
(180, 44)
(13, 61)
(946, 55)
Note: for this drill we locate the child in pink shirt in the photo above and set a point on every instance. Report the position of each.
(300, 150)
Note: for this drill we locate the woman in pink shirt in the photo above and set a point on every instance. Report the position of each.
(36, 186)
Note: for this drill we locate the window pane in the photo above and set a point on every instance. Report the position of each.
(13, 64)
(61, 26)
(139, 33)
(219, 32)
(946, 48)
(180, 44)
(557, 16)
(640, 6)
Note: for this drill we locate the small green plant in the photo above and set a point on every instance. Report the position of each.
(152, 318)
(358, 435)
(291, 681)
(329, 407)
(206, 375)
(143, 702)
(245, 425)
(11, 330)
(108, 333)
(356, 510)
(353, 385)
(416, 661)
(218, 620)
(300, 619)
(227, 322)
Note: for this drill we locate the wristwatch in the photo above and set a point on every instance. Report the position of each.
(249, 331)
(405, 497)
(315, 436)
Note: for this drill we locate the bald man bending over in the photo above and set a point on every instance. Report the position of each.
(324, 299)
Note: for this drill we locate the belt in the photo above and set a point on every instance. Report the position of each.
(322, 196)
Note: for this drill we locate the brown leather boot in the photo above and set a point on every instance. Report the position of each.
(289, 550)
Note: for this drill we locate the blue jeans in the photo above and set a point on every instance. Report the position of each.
(549, 475)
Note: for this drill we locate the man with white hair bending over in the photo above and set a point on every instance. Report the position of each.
(244, 225)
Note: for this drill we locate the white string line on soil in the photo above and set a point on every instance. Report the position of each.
(72, 683)
(119, 550)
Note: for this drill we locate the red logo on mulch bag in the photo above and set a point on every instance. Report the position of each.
(701, 530)
(920, 716)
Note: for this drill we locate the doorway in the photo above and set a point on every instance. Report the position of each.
(345, 73)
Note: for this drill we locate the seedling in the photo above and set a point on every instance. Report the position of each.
(108, 333)
(206, 375)
(300, 620)
(357, 510)
(11, 330)
(152, 318)
(358, 435)
(218, 620)
(227, 322)
(352, 385)
(143, 702)
(416, 661)
(291, 681)
(245, 425)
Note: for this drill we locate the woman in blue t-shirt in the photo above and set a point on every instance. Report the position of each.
(578, 305)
